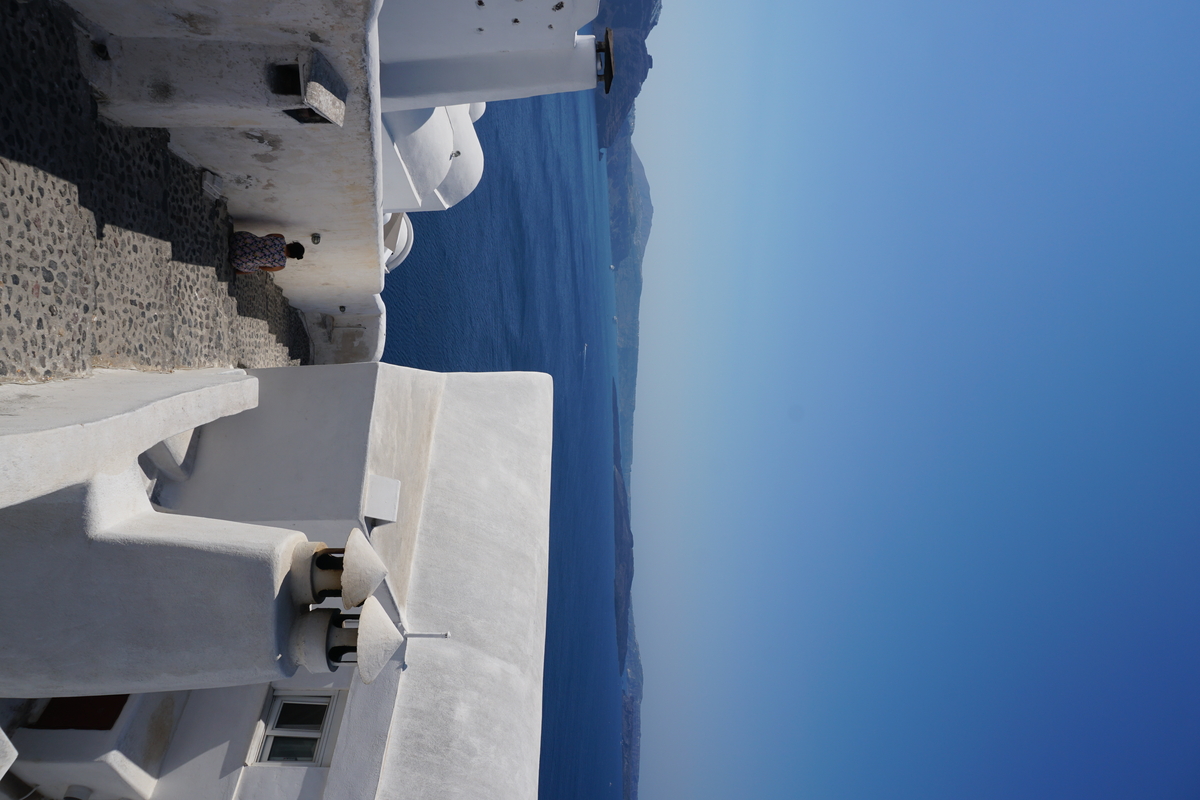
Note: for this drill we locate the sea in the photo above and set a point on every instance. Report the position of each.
(516, 277)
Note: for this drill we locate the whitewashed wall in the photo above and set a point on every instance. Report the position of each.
(190, 61)
(468, 715)
(466, 51)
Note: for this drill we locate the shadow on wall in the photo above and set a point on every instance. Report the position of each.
(126, 177)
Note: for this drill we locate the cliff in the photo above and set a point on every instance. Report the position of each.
(630, 216)
(629, 657)
(631, 716)
(631, 21)
(623, 533)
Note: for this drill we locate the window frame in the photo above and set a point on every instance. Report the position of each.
(326, 737)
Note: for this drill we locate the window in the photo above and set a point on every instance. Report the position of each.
(297, 729)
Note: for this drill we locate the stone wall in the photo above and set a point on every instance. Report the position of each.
(111, 255)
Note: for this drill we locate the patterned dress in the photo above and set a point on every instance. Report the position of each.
(250, 253)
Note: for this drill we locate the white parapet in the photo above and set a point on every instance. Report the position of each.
(462, 461)
(469, 709)
(443, 54)
(54, 435)
(488, 77)
(152, 568)
(130, 599)
(120, 762)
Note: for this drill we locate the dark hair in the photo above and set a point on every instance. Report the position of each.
(294, 250)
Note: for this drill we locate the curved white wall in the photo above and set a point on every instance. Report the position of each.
(504, 75)
(436, 158)
(397, 240)
(417, 30)
(467, 51)
(424, 140)
(466, 168)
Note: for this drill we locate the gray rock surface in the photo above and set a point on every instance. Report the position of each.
(111, 255)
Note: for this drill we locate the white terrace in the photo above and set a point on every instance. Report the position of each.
(254, 572)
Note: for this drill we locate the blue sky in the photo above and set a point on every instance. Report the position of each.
(916, 480)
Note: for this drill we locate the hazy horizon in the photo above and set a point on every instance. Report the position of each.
(916, 445)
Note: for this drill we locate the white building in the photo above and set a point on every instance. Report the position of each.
(233, 585)
(324, 116)
(441, 54)
(177, 537)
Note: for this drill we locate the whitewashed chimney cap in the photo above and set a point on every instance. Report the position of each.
(378, 640)
(362, 570)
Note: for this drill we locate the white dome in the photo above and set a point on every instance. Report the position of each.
(466, 167)
(398, 239)
(424, 140)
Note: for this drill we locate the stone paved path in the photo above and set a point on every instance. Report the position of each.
(111, 255)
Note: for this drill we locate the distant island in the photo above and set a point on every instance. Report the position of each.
(630, 216)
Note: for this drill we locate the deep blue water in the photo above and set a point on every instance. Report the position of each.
(516, 277)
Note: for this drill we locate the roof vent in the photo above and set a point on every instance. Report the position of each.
(362, 570)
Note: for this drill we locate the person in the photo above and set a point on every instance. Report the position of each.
(249, 253)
